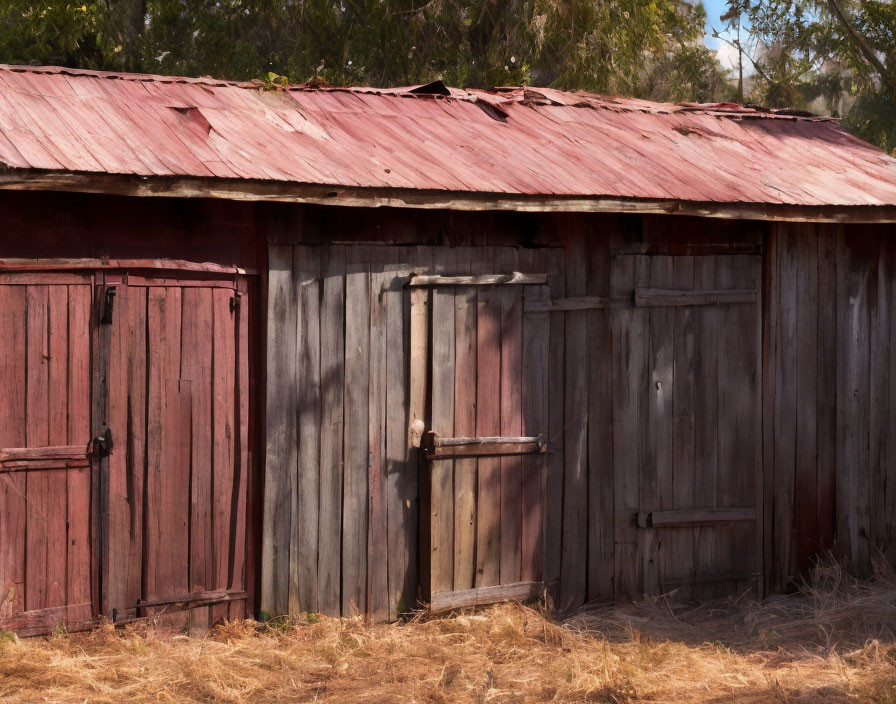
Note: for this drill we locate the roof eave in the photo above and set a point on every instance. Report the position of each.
(321, 194)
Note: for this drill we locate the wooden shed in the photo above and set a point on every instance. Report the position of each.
(359, 350)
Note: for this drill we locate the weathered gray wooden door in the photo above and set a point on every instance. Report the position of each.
(486, 423)
(687, 423)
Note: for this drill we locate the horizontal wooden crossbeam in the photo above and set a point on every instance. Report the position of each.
(573, 303)
(520, 591)
(37, 458)
(656, 297)
(643, 298)
(437, 448)
(695, 517)
(194, 599)
(484, 280)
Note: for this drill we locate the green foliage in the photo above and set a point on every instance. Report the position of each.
(652, 49)
(873, 118)
(68, 33)
(274, 81)
(841, 53)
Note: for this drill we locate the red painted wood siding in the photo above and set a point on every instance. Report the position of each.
(45, 402)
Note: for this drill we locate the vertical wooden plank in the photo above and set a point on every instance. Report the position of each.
(417, 410)
(575, 443)
(630, 336)
(890, 465)
(332, 379)
(600, 424)
(770, 296)
(729, 389)
(879, 417)
(739, 409)
(224, 417)
(511, 419)
(100, 515)
(442, 414)
(37, 435)
(553, 528)
(805, 470)
(401, 469)
(488, 423)
(679, 559)
(465, 426)
(120, 507)
(827, 380)
(78, 411)
(706, 418)
(196, 368)
(13, 320)
(657, 491)
(56, 481)
(752, 482)
(280, 450)
(852, 403)
(133, 314)
(377, 531)
(536, 334)
(357, 399)
(304, 574)
(168, 450)
(239, 569)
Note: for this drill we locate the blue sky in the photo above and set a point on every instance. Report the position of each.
(714, 10)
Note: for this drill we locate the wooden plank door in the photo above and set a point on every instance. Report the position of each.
(178, 469)
(45, 551)
(487, 422)
(687, 419)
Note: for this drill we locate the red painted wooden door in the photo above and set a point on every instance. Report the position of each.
(178, 471)
(45, 553)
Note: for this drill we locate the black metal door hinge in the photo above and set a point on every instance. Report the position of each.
(108, 305)
(101, 445)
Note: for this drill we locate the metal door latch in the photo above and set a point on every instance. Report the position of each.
(101, 445)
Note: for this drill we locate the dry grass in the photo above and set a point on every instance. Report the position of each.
(832, 643)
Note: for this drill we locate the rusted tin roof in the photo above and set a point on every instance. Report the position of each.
(511, 141)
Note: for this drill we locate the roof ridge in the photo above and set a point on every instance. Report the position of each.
(497, 96)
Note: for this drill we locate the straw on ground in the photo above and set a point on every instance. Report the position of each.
(832, 642)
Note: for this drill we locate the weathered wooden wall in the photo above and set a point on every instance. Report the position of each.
(71, 225)
(771, 414)
(826, 468)
(830, 396)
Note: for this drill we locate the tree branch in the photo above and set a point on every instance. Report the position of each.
(861, 42)
(737, 45)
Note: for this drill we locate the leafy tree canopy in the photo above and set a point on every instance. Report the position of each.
(841, 53)
(647, 48)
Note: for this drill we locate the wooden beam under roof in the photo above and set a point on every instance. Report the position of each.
(289, 192)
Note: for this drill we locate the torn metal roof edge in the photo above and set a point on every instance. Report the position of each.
(438, 90)
(363, 197)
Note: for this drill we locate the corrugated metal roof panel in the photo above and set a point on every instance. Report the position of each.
(510, 141)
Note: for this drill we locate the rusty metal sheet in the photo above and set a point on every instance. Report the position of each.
(509, 141)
